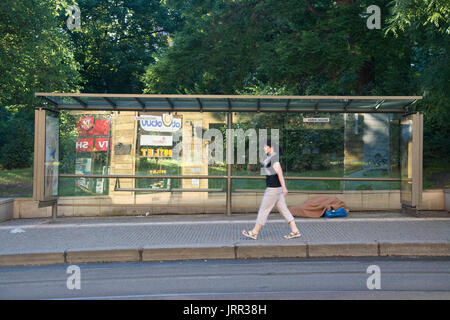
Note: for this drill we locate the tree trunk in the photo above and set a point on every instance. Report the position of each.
(366, 75)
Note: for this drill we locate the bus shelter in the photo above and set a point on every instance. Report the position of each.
(115, 151)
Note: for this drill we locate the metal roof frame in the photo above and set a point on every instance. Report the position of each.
(227, 103)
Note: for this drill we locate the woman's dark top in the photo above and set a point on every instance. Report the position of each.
(272, 181)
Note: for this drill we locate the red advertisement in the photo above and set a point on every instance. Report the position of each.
(89, 126)
(84, 145)
(101, 144)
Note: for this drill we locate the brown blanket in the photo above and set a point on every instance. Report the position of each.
(315, 206)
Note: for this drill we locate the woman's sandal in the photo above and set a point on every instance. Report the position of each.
(292, 235)
(249, 234)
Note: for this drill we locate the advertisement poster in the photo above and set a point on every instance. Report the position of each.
(154, 147)
(92, 150)
(51, 155)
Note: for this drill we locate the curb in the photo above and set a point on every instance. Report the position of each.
(236, 251)
(415, 249)
(102, 255)
(32, 259)
(343, 250)
(251, 251)
(188, 253)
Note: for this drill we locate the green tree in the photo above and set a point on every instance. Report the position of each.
(35, 55)
(320, 47)
(427, 24)
(118, 39)
(35, 52)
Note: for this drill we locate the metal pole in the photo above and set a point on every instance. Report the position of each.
(54, 210)
(229, 146)
(193, 176)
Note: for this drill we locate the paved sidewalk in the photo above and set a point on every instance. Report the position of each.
(158, 238)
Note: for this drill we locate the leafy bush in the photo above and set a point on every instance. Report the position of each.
(17, 143)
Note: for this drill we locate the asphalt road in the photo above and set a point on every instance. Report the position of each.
(277, 279)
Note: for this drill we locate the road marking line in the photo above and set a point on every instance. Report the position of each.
(242, 293)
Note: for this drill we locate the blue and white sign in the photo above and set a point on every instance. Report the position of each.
(156, 123)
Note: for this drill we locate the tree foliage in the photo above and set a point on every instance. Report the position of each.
(35, 55)
(427, 25)
(118, 40)
(320, 47)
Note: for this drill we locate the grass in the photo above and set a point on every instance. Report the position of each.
(293, 185)
(436, 174)
(16, 183)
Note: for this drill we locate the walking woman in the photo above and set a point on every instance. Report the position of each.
(273, 196)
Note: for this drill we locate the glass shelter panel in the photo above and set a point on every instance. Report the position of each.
(161, 144)
(371, 150)
(406, 145)
(51, 156)
(145, 144)
(320, 145)
(85, 150)
(182, 143)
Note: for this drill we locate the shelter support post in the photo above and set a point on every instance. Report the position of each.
(45, 161)
(54, 210)
(412, 162)
(229, 146)
(417, 173)
(39, 154)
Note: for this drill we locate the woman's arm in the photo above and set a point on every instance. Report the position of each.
(279, 171)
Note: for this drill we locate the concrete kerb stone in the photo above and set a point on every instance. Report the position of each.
(188, 253)
(415, 248)
(343, 249)
(74, 256)
(255, 251)
(240, 250)
(32, 258)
